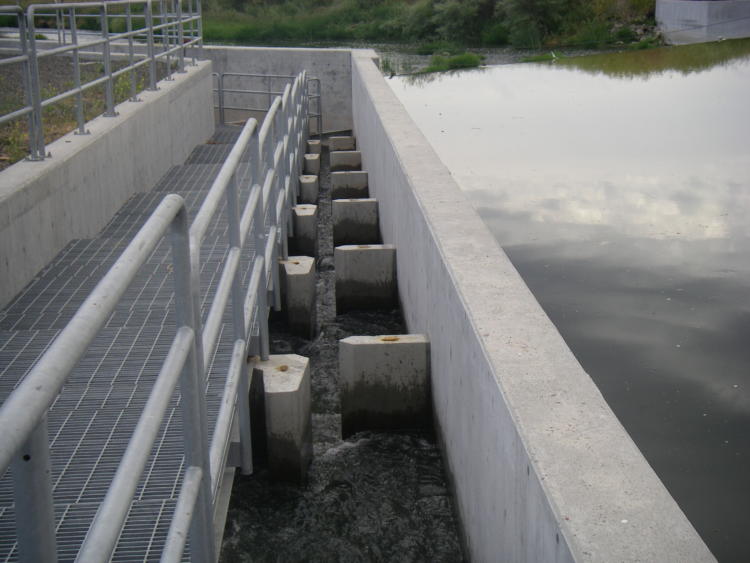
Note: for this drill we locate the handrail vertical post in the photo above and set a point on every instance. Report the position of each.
(165, 37)
(192, 389)
(151, 48)
(222, 116)
(131, 53)
(260, 245)
(243, 405)
(180, 38)
(32, 492)
(23, 38)
(109, 94)
(200, 28)
(80, 119)
(36, 135)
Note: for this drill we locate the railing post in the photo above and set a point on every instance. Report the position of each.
(180, 37)
(80, 117)
(165, 37)
(109, 96)
(32, 494)
(200, 28)
(222, 116)
(36, 135)
(151, 48)
(192, 402)
(243, 405)
(23, 38)
(131, 54)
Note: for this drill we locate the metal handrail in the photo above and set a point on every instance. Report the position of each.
(273, 152)
(162, 21)
(221, 90)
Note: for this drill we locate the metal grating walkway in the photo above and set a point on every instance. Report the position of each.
(92, 419)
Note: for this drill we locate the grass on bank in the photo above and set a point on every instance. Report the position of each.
(441, 63)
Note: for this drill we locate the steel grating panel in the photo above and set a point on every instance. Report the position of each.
(226, 134)
(94, 415)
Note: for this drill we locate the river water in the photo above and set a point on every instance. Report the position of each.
(619, 185)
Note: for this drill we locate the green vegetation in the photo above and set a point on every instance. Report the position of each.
(431, 23)
(440, 63)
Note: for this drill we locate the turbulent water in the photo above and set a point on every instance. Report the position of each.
(372, 497)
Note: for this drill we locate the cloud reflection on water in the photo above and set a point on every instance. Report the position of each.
(623, 202)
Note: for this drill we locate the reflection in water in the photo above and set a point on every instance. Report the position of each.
(622, 197)
(685, 59)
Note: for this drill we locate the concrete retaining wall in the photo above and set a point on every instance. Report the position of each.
(44, 205)
(331, 66)
(542, 469)
(696, 21)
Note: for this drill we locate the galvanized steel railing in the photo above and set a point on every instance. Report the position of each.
(270, 83)
(267, 160)
(154, 31)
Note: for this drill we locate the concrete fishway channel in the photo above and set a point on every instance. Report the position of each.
(373, 496)
(370, 497)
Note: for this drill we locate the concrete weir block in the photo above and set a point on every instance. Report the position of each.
(309, 186)
(355, 221)
(342, 143)
(288, 417)
(313, 146)
(305, 222)
(298, 294)
(312, 164)
(385, 382)
(349, 184)
(365, 276)
(346, 160)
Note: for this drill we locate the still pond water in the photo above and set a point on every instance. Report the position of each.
(619, 185)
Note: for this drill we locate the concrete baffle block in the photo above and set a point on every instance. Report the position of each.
(313, 146)
(288, 417)
(349, 184)
(312, 164)
(346, 160)
(305, 224)
(385, 383)
(298, 294)
(365, 277)
(355, 221)
(342, 143)
(309, 186)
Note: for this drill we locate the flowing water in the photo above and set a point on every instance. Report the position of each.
(371, 497)
(619, 185)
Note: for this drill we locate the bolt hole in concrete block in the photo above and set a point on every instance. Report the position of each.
(385, 383)
(342, 143)
(365, 277)
(305, 223)
(287, 416)
(349, 184)
(355, 221)
(309, 187)
(298, 292)
(312, 164)
(346, 160)
(313, 146)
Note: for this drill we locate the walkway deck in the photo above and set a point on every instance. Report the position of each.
(91, 421)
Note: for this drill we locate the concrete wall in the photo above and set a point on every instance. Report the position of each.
(542, 469)
(694, 21)
(331, 66)
(73, 194)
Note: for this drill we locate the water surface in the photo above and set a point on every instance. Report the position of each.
(619, 185)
